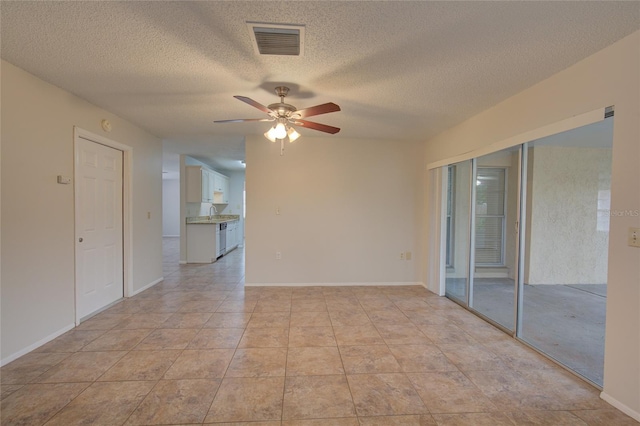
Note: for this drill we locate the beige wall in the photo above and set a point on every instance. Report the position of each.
(348, 207)
(565, 246)
(610, 77)
(38, 215)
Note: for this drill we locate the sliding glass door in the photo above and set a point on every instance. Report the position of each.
(527, 236)
(565, 258)
(494, 268)
(457, 231)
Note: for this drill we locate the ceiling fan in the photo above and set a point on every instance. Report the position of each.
(285, 115)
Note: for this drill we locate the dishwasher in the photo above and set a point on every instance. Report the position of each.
(222, 249)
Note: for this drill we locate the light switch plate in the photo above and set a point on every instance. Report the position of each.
(64, 180)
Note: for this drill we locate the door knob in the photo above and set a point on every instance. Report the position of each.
(80, 239)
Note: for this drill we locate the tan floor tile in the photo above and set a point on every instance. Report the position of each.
(311, 336)
(605, 417)
(313, 397)
(314, 361)
(518, 356)
(308, 305)
(200, 364)
(117, 340)
(141, 365)
(176, 401)
(391, 316)
(103, 321)
(384, 395)
(202, 306)
(310, 319)
(6, 390)
(269, 320)
(416, 420)
(216, 338)
(376, 303)
(186, 320)
(412, 305)
(443, 334)
(237, 306)
(81, 367)
(258, 362)
(149, 320)
(360, 335)
(273, 306)
(450, 392)
(71, 341)
(472, 419)
(247, 399)
(348, 318)
(264, 338)
(405, 334)
(108, 403)
(565, 391)
(421, 358)
(547, 418)
(509, 390)
(167, 339)
(228, 320)
(29, 367)
(368, 359)
(35, 404)
(473, 357)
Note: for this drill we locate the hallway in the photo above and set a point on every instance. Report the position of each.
(199, 347)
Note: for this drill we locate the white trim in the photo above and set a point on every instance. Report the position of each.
(148, 286)
(371, 284)
(182, 262)
(541, 132)
(36, 345)
(170, 236)
(127, 205)
(620, 406)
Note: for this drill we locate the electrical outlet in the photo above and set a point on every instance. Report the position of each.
(278, 255)
(277, 210)
(408, 255)
(401, 255)
(148, 215)
(634, 237)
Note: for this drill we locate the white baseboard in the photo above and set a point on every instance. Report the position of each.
(182, 262)
(170, 236)
(151, 284)
(36, 345)
(370, 284)
(620, 406)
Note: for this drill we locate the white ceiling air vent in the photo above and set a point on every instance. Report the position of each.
(277, 39)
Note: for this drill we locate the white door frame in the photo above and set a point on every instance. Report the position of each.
(127, 213)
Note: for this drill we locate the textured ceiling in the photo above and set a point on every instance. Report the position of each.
(396, 68)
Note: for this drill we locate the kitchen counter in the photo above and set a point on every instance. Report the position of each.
(205, 220)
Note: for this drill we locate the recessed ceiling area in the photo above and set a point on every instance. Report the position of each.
(398, 70)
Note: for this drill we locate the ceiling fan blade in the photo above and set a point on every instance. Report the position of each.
(317, 110)
(242, 120)
(253, 103)
(318, 126)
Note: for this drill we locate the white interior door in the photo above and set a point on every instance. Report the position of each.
(99, 239)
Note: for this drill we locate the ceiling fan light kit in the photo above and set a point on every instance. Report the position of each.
(285, 116)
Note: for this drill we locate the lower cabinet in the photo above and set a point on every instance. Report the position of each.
(202, 243)
(233, 235)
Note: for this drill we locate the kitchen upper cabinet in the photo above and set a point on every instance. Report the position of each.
(221, 189)
(206, 186)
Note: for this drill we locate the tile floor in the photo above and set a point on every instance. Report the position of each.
(201, 348)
